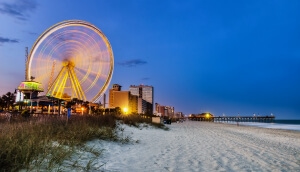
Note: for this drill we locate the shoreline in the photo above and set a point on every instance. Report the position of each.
(276, 126)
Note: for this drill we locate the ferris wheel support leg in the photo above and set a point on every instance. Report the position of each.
(61, 87)
(76, 85)
(55, 84)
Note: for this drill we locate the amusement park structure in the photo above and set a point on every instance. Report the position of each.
(71, 59)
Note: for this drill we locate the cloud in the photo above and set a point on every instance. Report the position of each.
(18, 9)
(7, 40)
(132, 63)
(32, 33)
(145, 79)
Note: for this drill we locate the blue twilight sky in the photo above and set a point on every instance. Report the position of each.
(232, 57)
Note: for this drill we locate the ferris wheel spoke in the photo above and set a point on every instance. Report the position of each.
(84, 80)
(80, 74)
(91, 81)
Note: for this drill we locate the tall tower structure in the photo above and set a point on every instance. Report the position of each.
(145, 97)
(104, 100)
(26, 65)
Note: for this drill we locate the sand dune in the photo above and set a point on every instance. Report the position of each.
(202, 146)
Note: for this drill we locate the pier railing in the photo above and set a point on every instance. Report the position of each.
(234, 118)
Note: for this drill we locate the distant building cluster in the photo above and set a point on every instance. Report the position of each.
(164, 110)
(139, 99)
(167, 111)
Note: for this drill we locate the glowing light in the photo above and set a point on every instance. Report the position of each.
(125, 109)
(30, 85)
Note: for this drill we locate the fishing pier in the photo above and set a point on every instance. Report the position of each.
(233, 118)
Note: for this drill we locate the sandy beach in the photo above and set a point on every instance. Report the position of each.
(201, 146)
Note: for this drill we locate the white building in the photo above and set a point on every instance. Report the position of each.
(145, 97)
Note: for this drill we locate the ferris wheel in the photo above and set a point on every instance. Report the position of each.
(72, 59)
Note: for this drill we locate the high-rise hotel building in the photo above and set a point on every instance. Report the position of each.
(122, 99)
(145, 97)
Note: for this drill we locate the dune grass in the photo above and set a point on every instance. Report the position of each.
(45, 142)
(50, 138)
(137, 120)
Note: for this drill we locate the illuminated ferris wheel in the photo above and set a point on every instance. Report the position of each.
(72, 59)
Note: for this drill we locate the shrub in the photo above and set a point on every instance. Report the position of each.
(25, 113)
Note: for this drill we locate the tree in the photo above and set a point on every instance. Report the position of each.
(2, 104)
(86, 104)
(73, 102)
(7, 100)
(118, 111)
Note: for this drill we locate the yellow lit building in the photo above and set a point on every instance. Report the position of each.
(122, 99)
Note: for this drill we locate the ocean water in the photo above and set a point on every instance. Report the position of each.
(276, 124)
(287, 121)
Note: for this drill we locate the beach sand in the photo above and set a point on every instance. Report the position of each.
(201, 146)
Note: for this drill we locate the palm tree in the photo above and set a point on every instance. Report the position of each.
(2, 104)
(5, 101)
(8, 100)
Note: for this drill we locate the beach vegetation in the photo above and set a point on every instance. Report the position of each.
(26, 142)
(141, 120)
(7, 101)
(47, 141)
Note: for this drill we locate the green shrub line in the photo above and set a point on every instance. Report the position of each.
(45, 142)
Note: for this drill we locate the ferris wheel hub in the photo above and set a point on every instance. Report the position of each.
(68, 64)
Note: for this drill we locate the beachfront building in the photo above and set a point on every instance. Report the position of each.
(179, 115)
(162, 110)
(145, 97)
(122, 99)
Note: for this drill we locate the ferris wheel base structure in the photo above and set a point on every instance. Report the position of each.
(72, 59)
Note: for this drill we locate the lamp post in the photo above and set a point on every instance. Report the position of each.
(53, 105)
(31, 101)
(51, 97)
(90, 110)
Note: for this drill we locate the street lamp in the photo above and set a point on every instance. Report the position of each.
(31, 101)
